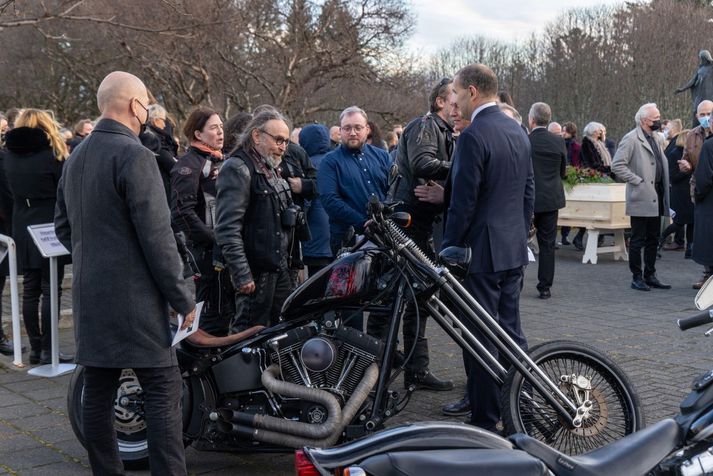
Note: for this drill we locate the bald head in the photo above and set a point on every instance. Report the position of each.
(704, 108)
(117, 99)
(118, 88)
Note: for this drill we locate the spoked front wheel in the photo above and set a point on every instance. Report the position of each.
(591, 380)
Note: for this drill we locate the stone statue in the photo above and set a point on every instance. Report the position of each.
(701, 84)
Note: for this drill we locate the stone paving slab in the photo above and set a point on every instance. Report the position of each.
(590, 303)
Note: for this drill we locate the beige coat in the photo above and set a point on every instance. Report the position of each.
(634, 163)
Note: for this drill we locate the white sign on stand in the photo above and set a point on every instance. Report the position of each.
(50, 247)
(9, 249)
(46, 240)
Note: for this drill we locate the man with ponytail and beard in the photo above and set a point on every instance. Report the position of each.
(255, 222)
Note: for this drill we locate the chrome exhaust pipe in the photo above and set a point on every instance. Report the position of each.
(291, 439)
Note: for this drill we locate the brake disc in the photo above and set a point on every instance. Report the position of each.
(129, 404)
(598, 415)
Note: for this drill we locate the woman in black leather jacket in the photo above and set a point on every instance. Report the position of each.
(193, 180)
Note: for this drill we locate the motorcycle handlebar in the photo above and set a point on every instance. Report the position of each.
(700, 319)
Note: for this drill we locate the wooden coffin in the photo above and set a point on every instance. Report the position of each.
(595, 205)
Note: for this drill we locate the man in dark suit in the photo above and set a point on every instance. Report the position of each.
(549, 161)
(492, 189)
(111, 196)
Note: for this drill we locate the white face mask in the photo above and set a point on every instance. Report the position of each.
(665, 134)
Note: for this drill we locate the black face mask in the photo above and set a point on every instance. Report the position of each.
(656, 125)
(145, 124)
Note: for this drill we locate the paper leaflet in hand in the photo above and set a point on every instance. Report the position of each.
(182, 334)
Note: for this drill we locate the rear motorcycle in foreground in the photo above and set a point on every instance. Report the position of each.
(313, 380)
(679, 446)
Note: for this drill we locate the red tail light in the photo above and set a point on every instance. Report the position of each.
(303, 465)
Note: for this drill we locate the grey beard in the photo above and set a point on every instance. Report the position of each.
(271, 162)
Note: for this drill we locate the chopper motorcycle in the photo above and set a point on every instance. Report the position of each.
(312, 380)
(679, 446)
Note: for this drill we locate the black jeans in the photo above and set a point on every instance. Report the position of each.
(215, 288)
(414, 330)
(546, 224)
(163, 390)
(36, 284)
(678, 230)
(315, 265)
(263, 306)
(644, 235)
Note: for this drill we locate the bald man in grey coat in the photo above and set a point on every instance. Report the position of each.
(112, 213)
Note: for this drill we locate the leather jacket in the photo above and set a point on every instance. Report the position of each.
(424, 154)
(193, 196)
(250, 201)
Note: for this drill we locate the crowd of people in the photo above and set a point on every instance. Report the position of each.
(253, 204)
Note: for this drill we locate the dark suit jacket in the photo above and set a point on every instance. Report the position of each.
(549, 161)
(491, 197)
(112, 213)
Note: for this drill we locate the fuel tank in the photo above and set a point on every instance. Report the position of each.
(346, 281)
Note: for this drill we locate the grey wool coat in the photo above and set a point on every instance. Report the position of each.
(112, 213)
(634, 163)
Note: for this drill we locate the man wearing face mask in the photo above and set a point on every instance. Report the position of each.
(111, 212)
(691, 154)
(641, 163)
(255, 217)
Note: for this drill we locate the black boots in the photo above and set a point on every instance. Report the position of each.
(424, 379)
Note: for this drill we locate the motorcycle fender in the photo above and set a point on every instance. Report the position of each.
(421, 436)
(193, 404)
(238, 373)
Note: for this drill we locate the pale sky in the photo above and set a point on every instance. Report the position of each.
(439, 22)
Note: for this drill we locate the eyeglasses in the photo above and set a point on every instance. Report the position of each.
(349, 129)
(278, 140)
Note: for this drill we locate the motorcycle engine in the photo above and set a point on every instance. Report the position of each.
(335, 362)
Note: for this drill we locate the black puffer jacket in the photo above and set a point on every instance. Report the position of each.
(165, 149)
(32, 173)
(296, 163)
(249, 205)
(591, 158)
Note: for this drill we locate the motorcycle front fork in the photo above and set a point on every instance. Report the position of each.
(382, 396)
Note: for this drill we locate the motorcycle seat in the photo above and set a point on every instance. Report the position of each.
(201, 340)
(453, 462)
(416, 437)
(634, 454)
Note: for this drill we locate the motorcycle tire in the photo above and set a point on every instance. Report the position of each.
(129, 422)
(615, 413)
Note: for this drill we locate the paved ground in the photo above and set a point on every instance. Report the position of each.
(590, 303)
